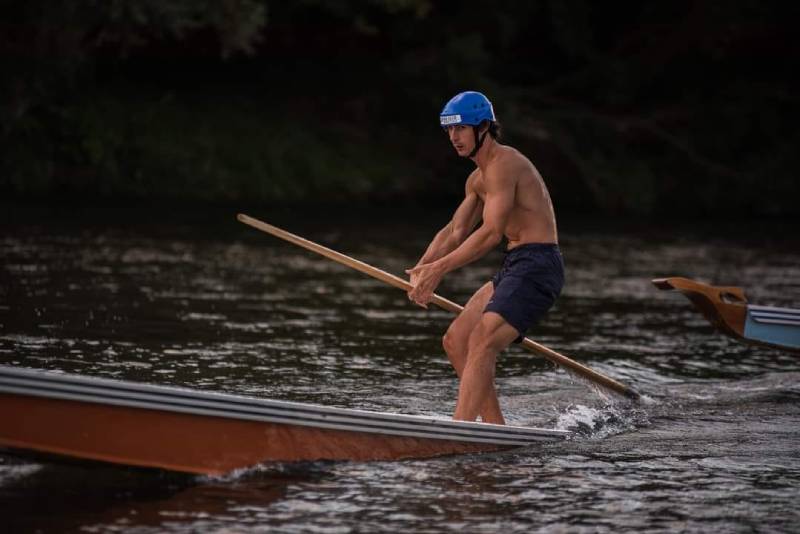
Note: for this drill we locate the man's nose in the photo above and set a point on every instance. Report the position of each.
(452, 133)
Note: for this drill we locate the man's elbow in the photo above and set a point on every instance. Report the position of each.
(459, 233)
(493, 237)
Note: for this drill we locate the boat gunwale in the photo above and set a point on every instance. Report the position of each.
(168, 398)
(773, 315)
(774, 309)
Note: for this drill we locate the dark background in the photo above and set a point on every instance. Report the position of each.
(654, 109)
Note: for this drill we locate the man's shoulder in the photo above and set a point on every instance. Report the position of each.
(510, 156)
(474, 176)
(509, 160)
(512, 161)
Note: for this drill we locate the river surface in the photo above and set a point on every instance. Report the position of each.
(207, 303)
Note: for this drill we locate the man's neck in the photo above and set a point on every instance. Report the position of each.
(485, 153)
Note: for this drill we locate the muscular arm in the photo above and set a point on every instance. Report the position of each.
(456, 231)
(500, 186)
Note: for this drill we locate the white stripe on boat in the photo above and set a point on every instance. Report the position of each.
(171, 399)
(774, 315)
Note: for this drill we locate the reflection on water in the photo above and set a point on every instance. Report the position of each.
(222, 307)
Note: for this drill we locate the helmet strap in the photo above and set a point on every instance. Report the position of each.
(478, 141)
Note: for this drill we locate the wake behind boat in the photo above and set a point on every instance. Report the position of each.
(194, 431)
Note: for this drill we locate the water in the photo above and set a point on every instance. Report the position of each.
(214, 305)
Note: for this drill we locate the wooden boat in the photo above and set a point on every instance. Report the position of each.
(211, 433)
(727, 309)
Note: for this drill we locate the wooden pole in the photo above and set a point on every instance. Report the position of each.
(559, 359)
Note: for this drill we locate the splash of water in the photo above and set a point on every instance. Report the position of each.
(598, 423)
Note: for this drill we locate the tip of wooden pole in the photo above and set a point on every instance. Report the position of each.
(632, 394)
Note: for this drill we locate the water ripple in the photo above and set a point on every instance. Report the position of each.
(713, 447)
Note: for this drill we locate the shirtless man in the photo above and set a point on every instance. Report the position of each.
(508, 196)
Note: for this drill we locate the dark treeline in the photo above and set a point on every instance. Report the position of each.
(648, 108)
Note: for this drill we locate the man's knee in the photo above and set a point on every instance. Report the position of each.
(448, 343)
(486, 339)
(453, 341)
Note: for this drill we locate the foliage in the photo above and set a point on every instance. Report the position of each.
(647, 108)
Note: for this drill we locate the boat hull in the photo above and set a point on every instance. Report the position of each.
(727, 309)
(198, 432)
(773, 326)
(195, 444)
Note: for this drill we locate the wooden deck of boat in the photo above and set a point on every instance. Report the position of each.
(202, 432)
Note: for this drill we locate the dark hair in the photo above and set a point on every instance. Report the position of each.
(495, 130)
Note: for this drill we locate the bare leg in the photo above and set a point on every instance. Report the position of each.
(456, 345)
(491, 335)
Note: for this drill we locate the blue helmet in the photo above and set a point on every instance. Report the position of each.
(469, 107)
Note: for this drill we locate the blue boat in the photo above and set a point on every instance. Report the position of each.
(727, 308)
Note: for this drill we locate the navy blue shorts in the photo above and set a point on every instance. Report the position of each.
(527, 285)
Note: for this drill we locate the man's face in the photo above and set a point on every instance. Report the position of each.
(462, 138)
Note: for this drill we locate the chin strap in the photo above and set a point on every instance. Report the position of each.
(478, 142)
